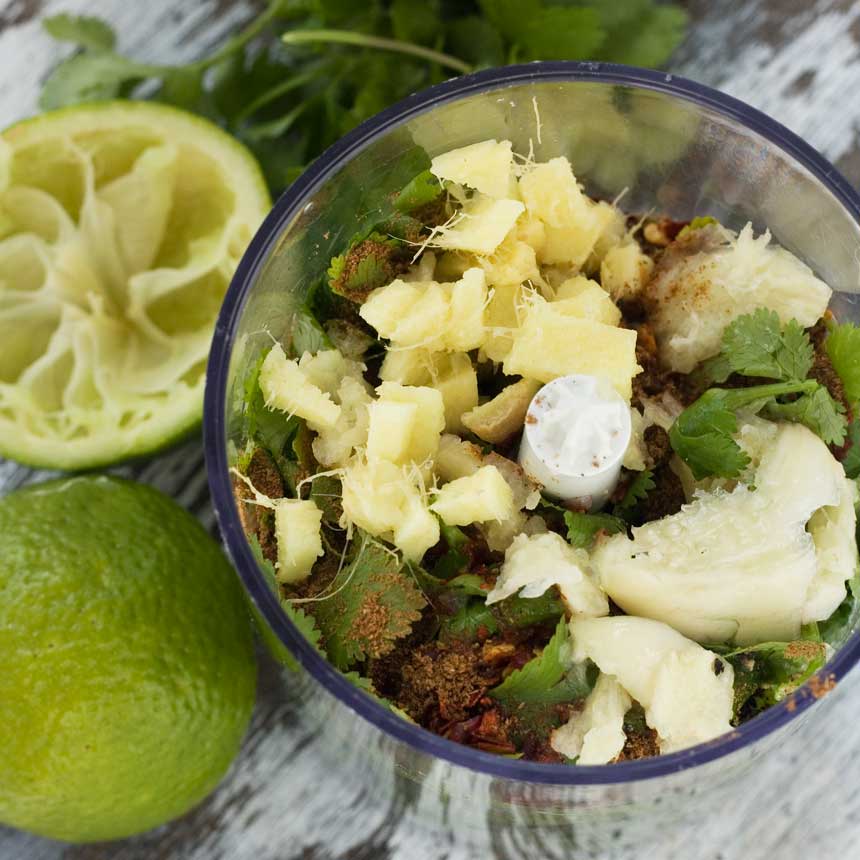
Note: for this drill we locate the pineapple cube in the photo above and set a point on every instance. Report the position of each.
(483, 496)
(456, 458)
(372, 495)
(389, 436)
(464, 329)
(581, 297)
(625, 270)
(574, 224)
(613, 234)
(550, 344)
(335, 446)
(286, 387)
(385, 501)
(327, 368)
(486, 166)
(574, 243)
(417, 529)
(483, 225)
(512, 263)
(408, 366)
(408, 314)
(429, 417)
(457, 382)
(502, 319)
(501, 418)
(451, 374)
(550, 191)
(430, 315)
(297, 528)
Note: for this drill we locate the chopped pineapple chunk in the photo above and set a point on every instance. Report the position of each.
(535, 563)
(483, 496)
(408, 366)
(686, 700)
(429, 315)
(392, 425)
(286, 387)
(428, 423)
(326, 368)
(550, 344)
(457, 382)
(625, 270)
(486, 166)
(501, 418)
(387, 501)
(551, 193)
(482, 225)
(409, 314)
(457, 458)
(595, 735)
(297, 527)
(451, 374)
(502, 319)
(467, 299)
(574, 224)
(581, 297)
(333, 447)
(514, 262)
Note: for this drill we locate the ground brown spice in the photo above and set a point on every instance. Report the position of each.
(642, 743)
(666, 498)
(820, 686)
(657, 444)
(441, 676)
(803, 649)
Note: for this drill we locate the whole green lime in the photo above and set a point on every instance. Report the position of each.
(127, 669)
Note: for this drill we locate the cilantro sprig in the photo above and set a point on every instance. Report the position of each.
(755, 345)
(582, 528)
(304, 72)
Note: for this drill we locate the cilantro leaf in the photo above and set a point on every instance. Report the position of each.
(766, 673)
(648, 37)
(370, 604)
(533, 696)
(638, 489)
(844, 620)
(851, 463)
(92, 76)
(268, 427)
(583, 528)
(416, 22)
(83, 30)
(302, 620)
(702, 433)
(818, 411)
(423, 189)
(559, 33)
(477, 41)
(306, 333)
(468, 622)
(367, 264)
(757, 344)
(843, 348)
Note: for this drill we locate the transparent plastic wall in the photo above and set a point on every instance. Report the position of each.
(660, 145)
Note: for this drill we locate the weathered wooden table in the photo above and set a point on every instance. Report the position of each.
(798, 60)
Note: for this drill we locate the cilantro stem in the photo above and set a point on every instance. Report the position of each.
(362, 40)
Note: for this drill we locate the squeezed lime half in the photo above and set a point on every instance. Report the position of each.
(121, 225)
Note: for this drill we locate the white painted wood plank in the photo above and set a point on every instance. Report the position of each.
(799, 61)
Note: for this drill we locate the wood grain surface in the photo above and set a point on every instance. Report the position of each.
(798, 60)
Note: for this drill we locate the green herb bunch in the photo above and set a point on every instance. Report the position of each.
(304, 72)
